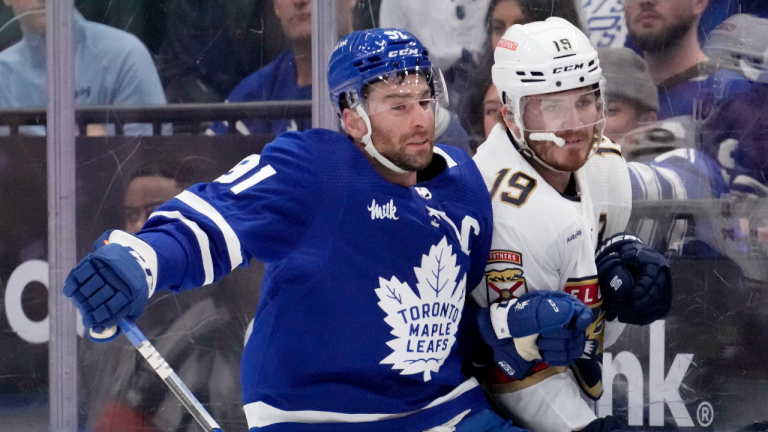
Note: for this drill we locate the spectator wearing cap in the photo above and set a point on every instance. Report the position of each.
(632, 98)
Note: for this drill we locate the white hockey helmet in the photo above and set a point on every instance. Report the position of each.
(541, 58)
(740, 43)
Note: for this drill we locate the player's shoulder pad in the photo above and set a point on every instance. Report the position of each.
(608, 148)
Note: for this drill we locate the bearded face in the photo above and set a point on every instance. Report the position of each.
(656, 26)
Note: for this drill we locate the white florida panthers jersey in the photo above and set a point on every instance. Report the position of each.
(543, 240)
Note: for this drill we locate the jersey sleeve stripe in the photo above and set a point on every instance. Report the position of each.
(202, 207)
(645, 180)
(260, 175)
(202, 240)
(676, 187)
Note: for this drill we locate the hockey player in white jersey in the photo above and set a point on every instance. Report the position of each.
(558, 189)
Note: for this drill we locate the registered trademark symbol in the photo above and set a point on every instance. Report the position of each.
(705, 414)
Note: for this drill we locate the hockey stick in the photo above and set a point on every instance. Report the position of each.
(161, 367)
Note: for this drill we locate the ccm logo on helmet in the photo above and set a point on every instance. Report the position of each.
(404, 52)
(568, 68)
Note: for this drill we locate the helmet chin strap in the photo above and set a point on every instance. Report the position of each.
(371, 149)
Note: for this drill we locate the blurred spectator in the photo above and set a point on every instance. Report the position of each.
(733, 125)
(718, 253)
(740, 44)
(146, 19)
(112, 67)
(125, 395)
(501, 15)
(158, 181)
(491, 109)
(645, 143)
(212, 45)
(730, 160)
(717, 12)
(449, 29)
(632, 100)
(10, 33)
(605, 19)
(289, 76)
(666, 32)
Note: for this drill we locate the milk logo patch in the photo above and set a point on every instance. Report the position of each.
(424, 324)
(386, 211)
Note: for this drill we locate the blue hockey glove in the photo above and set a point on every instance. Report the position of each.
(545, 325)
(504, 352)
(634, 280)
(108, 285)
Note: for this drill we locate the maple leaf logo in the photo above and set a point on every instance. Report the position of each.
(425, 325)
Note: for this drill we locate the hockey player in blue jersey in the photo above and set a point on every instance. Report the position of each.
(370, 240)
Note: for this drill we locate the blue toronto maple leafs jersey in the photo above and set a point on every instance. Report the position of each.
(365, 282)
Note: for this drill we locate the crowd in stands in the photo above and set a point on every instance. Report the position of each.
(686, 90)
(180, 51)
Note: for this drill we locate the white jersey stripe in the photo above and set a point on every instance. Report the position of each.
(260, 175)
(676, 184)
(202, 241)
(199, 205)
(260, 414)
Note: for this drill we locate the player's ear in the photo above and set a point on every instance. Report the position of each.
(353, 124)
(509, 120)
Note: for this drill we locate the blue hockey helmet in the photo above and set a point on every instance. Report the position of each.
(367, 56)
(382, 54)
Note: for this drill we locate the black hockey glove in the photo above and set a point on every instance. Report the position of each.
(634, 280)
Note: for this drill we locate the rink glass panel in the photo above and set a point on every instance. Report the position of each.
(702, 368)
(201, 54)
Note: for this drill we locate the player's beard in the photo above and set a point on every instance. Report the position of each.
(667, 37)
(572, 158)
(395, 149)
